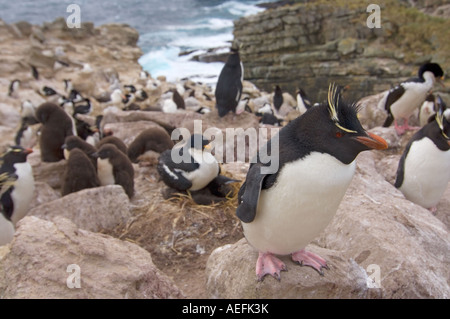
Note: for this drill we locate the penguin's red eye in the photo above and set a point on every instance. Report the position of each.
(338, 134)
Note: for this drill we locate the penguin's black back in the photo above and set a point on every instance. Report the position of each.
(74, 142)
(80, 173)
(123, 170)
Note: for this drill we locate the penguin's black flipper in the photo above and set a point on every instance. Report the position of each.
(122, 178)
(248, 196)
(388, 120)
(219, 185)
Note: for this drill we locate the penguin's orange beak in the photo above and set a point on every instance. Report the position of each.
(28, 151)
(373, 141)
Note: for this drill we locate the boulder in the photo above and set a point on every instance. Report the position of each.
(43, 194)
(53, 260)
(231, 275)
(94, 209)
(401, 247)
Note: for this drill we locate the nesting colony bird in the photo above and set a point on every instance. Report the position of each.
(427, 109)
(189, 167)
(424, 169)
(278, 98)
(114, 167)
(80, 173)
(404, 99)
(229, 84)
(13, 87)
(111, 139)
(17, 188)
(56, 126)
(154, 139)
(283, 210)
(75, 142)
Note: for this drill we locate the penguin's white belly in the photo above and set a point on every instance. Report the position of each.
(300, 205)
(23, 191)
(426, 173)
(105, 172)
(412, 98)
(206, 172)
(6, 230)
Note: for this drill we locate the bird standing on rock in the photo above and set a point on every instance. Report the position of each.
(229, 85)
(56, 126)
(405, 98)
(424, 169)
(17, 184)
(284, 211)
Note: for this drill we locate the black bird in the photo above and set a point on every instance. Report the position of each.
(80, 173)
(278, 98)
(34, 72)
(405, 98)
(303, 102)
(229, 85)
(75, 142)
(114, 167)
(56, 126)
(13, 87)
(423, 172)
(152, 139)
(288, 199)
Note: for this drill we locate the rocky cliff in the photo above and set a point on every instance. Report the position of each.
(309, 44)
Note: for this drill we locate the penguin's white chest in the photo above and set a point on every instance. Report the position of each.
(413, 97)
(23, 191)
(426, 173)
(300, 204)
(205, 173)
(6, 230)
(105, 172)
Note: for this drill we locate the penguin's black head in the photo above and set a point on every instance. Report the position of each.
(433, 68)
(72, 142)
(15, 154)
(197, 141)
(106, 151)
(45, 111)
(334, 128)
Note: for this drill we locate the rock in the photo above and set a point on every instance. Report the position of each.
(128, 131)
(93, 209)
(45, 258)
(376, 234)
(231, 275)
(43, 194)
(50, 173)
(9, 116)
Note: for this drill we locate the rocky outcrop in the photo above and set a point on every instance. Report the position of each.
(379, 245)
(53, 260)
(311, 44)
(94, 209)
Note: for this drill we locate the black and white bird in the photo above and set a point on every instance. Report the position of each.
(287, 200)
(83, 107)
(303, 102)
(56, 126)
(17, 188)
(13, 87)
(278, 98)
(189, 167)
(47, 91)
(427, 109)
(401, 101)
(229, 84)
(115, 168)
(424, 169)
(75, 142)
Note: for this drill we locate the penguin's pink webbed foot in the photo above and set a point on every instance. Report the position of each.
(268, 264)
(399, 129)
(306, 258)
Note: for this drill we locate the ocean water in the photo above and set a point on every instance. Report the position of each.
(167, 28)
